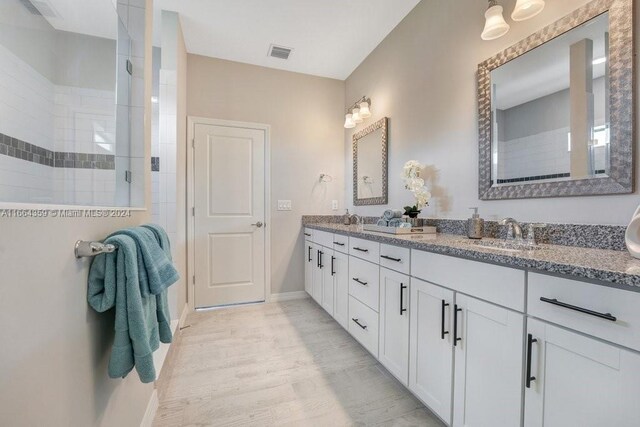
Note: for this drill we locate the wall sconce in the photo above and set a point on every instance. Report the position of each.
(359, 111)
(495, 25)
(325, 178)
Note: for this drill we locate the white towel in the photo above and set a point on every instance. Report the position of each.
(390, 214)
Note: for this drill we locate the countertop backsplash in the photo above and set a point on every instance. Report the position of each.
(580, 235)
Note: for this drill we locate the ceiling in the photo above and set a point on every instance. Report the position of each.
(545, 70)
(95, 18)
(330, 38)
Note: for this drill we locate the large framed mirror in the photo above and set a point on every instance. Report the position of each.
(370, 185)
(556, 109)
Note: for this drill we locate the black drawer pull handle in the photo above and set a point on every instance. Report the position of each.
(359, 324)
(309, 253)
(391, 259)
(307, 234)
(355, 279)
(402, 288)
(338, 243)
(455, 325)
(606, 316)
(442, 331)
(320, 265)
(530, 341)
(361, 250)
(333, 271)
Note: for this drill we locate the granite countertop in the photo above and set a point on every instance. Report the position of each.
(606, 266)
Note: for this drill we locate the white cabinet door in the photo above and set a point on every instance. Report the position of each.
(489, 358)
(318, 276)
(579, 381)
(431, 346)
(341, 288)
(393, 347)
(309, 259)
(328, 273)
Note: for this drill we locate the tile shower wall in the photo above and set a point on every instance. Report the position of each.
(85, 123)
(26, 103)
(60, 119)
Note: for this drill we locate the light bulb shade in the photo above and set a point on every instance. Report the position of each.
(356, 116)
(526, 9)
(365, 113)
(496, 26)
(348, 122)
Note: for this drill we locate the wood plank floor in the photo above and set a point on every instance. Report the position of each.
(280, 364)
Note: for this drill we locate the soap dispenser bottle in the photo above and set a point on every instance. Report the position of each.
(475, 225)
(346, 218)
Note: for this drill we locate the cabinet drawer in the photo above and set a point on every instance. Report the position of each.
(308, 234)
(587, 308)
(323, 238)
(500, 285)
(365, 249)
(364, 281)
(341, 243)
(363, 325)
(395, 258)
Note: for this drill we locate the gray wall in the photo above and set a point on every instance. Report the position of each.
(423, 77)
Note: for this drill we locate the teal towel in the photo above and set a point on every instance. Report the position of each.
(161, 237)
(154, 263)
(141, 318)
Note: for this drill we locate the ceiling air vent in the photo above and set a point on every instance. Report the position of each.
(39, 7)
(279, 52)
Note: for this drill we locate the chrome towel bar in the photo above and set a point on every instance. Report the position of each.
(88, 249)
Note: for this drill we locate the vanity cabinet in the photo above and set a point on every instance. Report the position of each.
(576, 380)
(488, 348)
(393, 350)
(309, 255)
(328, 280)
(318, 273)
(341, 288)
(431, 346)
(453, 331)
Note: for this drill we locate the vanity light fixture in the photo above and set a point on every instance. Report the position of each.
(348, 121)
(526, 9)
(359, 111)
(495, 25)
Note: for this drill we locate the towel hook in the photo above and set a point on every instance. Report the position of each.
(88, 249)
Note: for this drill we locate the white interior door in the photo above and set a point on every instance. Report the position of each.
(229, 223)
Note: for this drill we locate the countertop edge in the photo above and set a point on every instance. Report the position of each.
(603, 277)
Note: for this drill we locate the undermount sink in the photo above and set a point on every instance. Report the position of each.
(506, 245)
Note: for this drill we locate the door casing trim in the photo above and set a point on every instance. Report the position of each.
(192, 121)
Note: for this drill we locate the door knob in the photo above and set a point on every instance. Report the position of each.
(258, 224)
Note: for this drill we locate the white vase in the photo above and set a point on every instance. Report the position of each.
(632, 235)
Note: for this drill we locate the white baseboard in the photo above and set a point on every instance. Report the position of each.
(160, 354)
(288, 296)
(152, 408)
(183, 316)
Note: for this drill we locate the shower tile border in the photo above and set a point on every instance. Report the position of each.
(16, 148)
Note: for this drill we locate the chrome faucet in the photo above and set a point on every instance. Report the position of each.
(515, 230)
(357, 217)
